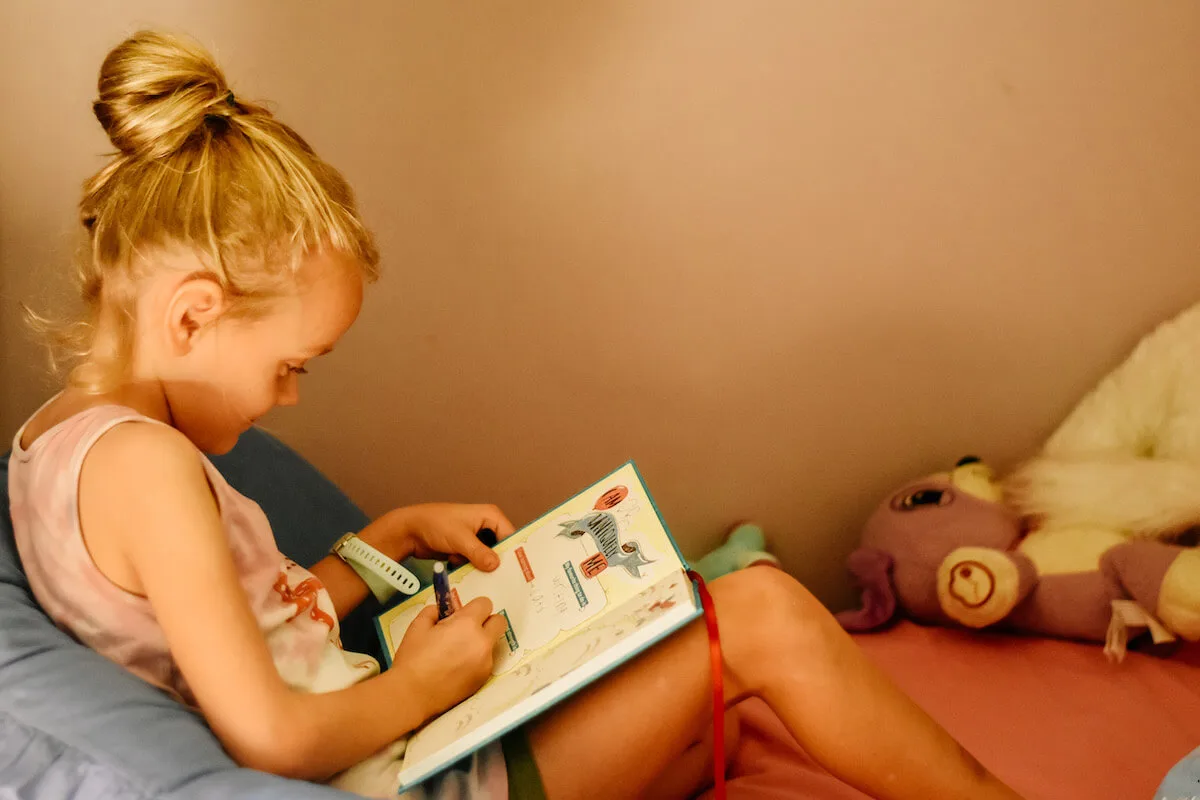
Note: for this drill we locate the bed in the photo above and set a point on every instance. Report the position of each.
(1051, 718)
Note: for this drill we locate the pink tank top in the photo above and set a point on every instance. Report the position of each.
(292, 607)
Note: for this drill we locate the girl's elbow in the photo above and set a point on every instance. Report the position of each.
(284, 748)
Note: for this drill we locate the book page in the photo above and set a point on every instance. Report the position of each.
(587, 650)
(594, 552)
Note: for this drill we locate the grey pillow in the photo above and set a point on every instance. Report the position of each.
(75, 725)
(1183, 781)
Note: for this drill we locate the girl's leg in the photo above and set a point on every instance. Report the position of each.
(615, 739)
(692, 771)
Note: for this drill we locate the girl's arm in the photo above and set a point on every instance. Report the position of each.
(431, 530)
(345, 588)
(145, 501)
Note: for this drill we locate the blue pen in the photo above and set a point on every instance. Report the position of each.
(441, 589)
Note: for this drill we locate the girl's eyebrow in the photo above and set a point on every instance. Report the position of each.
(324, 351)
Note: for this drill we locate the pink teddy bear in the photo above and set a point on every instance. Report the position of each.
(946, 550)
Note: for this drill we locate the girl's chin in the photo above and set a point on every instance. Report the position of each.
(220, 448)
(218, 444)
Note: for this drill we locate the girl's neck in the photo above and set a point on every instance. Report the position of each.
(145, 398)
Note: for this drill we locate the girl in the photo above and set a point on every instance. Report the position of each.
(224, 255)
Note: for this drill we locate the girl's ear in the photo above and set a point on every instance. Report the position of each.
(195, 304)
(871, 569)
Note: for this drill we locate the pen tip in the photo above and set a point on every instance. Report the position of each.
(439, 566)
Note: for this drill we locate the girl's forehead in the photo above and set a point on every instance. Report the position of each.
(328, 299)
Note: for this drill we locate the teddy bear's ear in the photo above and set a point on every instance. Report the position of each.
(871, 569)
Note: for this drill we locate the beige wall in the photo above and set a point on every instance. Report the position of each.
(783, 254)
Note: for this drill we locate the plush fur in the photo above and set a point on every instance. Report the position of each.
(1127, 459)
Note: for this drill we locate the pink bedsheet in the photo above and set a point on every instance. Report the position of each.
(1051, 718)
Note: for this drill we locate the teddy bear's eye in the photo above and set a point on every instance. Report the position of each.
(924, 498)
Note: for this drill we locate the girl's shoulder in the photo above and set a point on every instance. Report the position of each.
(83, 491)
(73, 420)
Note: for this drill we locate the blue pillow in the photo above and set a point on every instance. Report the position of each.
(73, 724)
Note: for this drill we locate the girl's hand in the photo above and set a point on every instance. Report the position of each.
(440, 530)
(444, 662)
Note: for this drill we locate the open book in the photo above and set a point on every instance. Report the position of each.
(584, 588)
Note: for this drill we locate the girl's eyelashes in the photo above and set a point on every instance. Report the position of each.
(291, 369)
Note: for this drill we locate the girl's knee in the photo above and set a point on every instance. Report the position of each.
(764, 594)
(766, 618)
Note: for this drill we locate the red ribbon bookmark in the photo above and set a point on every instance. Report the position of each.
(714, 652)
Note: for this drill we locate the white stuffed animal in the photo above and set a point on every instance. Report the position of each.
(1126, 464)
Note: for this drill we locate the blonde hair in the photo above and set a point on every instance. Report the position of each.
(197, 168)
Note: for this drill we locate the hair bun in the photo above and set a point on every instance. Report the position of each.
(158, 90)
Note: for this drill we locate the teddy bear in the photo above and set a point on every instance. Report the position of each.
(1103, 511)
(948, 550)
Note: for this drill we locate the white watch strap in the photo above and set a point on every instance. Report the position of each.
(375, 568)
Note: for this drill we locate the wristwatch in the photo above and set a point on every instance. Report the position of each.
(383, 576)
